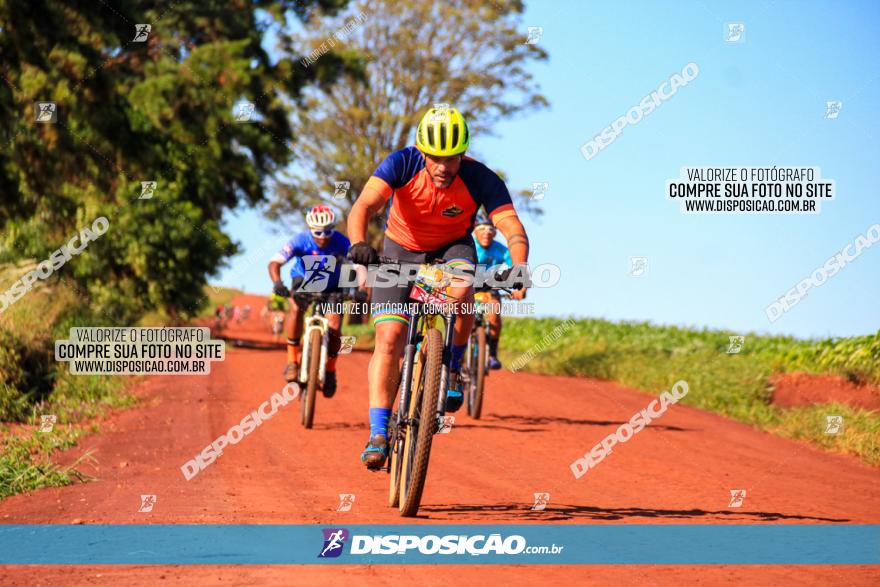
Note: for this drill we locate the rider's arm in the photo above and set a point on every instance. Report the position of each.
(517, 244)
(287, 252)
(516, 237)
(274, 270)
(393, 172)
(275, 264)
(373, 197)
(492, 193)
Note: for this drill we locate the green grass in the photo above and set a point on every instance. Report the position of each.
(364, 333)
(860, 435)
(25, 459)
(652, 358)
(78, 401)
(33, 384)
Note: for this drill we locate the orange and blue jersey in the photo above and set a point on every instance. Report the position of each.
(423, 217)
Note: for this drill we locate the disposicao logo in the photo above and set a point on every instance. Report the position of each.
(334, 540)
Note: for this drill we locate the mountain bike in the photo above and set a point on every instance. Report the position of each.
(275, 310)
(218, 320)
(316, 343)
(475, 367)
(277, 325)
(427, 358)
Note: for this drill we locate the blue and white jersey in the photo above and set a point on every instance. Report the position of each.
(303, 245)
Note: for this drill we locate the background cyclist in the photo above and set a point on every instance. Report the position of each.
(321, 239)
(437, 192)
(491, 253)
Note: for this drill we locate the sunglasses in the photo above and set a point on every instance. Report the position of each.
(323, 233)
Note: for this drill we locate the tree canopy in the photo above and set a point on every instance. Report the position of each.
(469, 53)
(133, 107)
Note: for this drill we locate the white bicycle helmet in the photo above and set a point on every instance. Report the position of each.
(320, 217)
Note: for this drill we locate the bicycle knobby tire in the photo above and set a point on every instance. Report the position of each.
(420, 433)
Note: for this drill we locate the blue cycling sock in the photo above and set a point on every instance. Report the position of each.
(379, 421)
(457, 354)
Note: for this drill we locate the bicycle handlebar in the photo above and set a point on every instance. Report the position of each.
(392, 261)
(505, 291)
(347, 293)
(483, 288)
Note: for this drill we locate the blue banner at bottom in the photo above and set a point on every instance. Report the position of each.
(160, 544)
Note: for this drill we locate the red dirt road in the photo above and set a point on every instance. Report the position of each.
(680, 469)
(804, 389)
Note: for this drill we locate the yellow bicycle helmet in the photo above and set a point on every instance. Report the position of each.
(442, 132)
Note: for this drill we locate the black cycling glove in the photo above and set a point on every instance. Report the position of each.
(280, 289)
(363, 254)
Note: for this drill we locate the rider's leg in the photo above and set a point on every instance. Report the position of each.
(294, 332)
(464, 320)
(493, 316)
(384, 371)
(462, 289)
(334, 321)
(384, 374)
(494, 319)
(391, 324)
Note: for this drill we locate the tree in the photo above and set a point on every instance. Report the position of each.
(135, 105)
(469, 53)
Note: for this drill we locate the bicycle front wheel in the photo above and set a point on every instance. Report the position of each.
(422, 425)
(308, 406)
(395, 450)
(478, 374)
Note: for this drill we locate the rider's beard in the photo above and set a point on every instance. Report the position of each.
(442, 181)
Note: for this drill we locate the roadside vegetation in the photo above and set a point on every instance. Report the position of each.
(736, 385)
(33, 385)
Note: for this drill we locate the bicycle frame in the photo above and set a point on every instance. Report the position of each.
(419, 323)
(480, 320)
(466, 364)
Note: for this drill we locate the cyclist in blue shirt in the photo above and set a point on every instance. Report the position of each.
(321, 239)
(490, 253)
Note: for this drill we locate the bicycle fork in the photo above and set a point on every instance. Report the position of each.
(446, 369)
(409, 354)
(321, 324)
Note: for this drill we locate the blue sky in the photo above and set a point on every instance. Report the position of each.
(756, 103)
